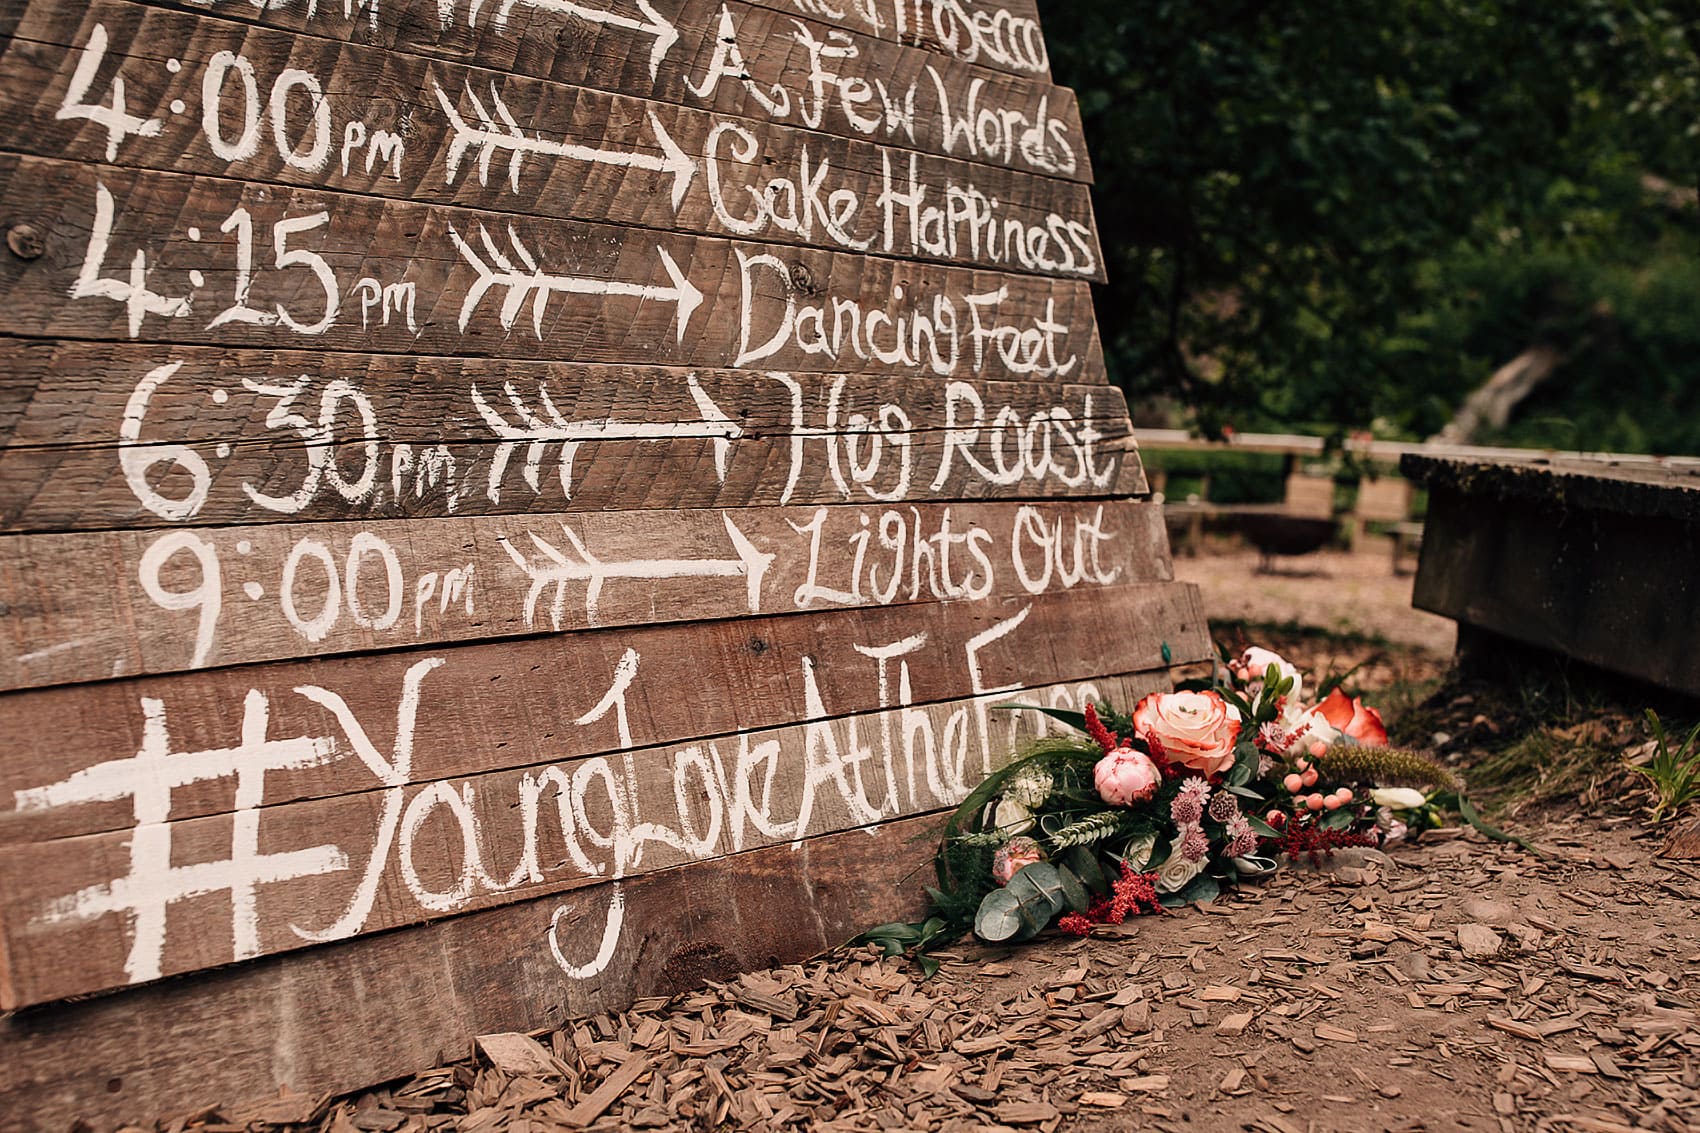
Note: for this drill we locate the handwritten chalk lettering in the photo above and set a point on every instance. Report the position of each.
(805, 188)
(1048, 447)
(333, 433)
(316, 589)
(302, 131)
(737, 58)
(820, 310)
(187, 599)
(1074, 556)
(958, 221)
(429, 848)
(972, 32)
(139, 301)
(914, 556)
(965, 222)
(921, 333)
(997, 38)
(977, 126)
(115, 119)
(379, 301)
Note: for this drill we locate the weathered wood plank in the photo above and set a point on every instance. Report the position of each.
(77, 394)
(58, 489)
(1545, 565)
(728, 57)
(306, 1020)
(92, 607)
(107, 910)
(439, 132)
(479, 708)
(162, 257)
(471, 436)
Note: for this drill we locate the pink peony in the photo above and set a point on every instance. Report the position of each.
(1196, 729)
(1352, 716)
(1125, 777)
(1014, 856)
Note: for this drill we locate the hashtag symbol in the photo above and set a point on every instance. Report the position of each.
(153, 884)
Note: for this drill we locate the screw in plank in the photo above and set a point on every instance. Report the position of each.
(26, 241)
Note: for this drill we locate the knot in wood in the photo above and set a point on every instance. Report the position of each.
(803, 280)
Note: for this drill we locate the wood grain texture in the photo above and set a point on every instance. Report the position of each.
(439, 132)
(92, 607)
(75, 914)
(306, 1020)
(500, 705)
(785, 69)
(472, 436)
(146, 259)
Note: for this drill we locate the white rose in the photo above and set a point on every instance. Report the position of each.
(1398, 798)
(1138, 852)
(1012, 818)
(1177, 871)
(1030, 786)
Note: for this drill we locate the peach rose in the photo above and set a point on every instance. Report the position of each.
(1014, 856)
(1197, 729)
(1352, 716)
(1125, 777)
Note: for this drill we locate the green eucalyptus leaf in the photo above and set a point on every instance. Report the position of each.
(1262, 828)
(999, 917)
(929, 966)
(1085, 865)
(1038, 888)
(1201, 890)
(1073, 889)
(1338, 820)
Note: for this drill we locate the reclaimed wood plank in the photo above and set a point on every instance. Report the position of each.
(76, 394)
(725, 56)
(231, 436)
(96, 606)
(439, 132)
(165, 257)
(306, 1019)
(79, 489)
(1545, 566)
(100, 911)
(485, 707)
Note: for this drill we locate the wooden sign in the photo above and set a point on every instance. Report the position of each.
(543, 496)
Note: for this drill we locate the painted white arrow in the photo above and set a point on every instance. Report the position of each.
(539, 430)
(652, 22)
(531, 281)
(556, 568)
(493, 137)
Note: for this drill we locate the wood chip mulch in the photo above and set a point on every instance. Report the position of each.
(1458, 984)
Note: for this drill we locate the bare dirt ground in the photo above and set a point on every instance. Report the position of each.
(1337, 591)
(1452, 984)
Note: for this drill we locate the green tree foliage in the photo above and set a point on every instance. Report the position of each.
(1332, 212)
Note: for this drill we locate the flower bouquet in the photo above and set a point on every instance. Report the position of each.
(1194, 790)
